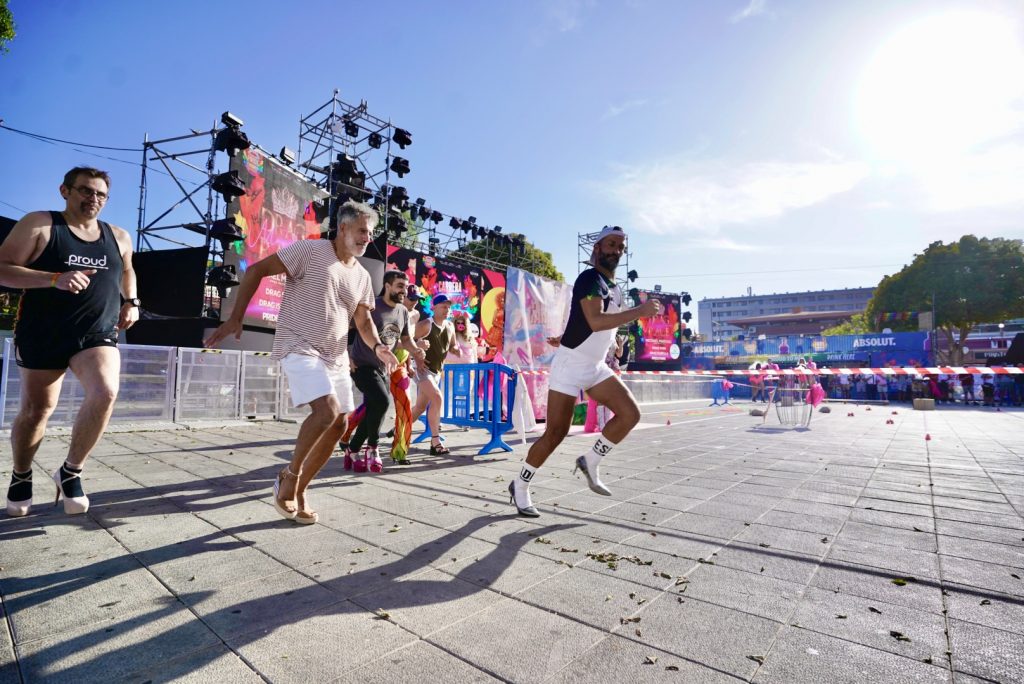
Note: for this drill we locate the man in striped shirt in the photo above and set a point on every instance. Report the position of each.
(325, 288)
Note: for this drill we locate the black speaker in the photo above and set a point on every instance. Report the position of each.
(171, 281)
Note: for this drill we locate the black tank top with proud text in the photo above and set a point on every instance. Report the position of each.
(93, 310)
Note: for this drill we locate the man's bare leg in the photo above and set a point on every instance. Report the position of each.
(39, 392)
(559, 419)
(617, 397)
(99, 372)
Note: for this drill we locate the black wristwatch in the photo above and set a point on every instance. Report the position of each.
(134, 301)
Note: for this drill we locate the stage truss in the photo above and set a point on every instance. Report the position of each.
(180, 172)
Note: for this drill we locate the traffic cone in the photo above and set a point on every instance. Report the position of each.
(668, 422)
(927, 438)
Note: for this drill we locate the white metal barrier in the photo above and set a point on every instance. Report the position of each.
(183, 384)
(208, 384)
(260, 391)
(146, 394)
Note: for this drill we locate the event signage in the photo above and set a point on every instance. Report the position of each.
(658, 337)
(275, 211)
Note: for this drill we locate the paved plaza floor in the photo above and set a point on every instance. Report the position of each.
(855, 551)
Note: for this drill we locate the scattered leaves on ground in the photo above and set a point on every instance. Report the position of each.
(899, 582)
(650, 660)
(759, 659)
(764, 546)
(626, 621)
(985, 602)
(565, 550)
(381, 614)
(898, 636)
(672, 668)
(840, 616)
(358, 550)
(541, 540)
(874, 610)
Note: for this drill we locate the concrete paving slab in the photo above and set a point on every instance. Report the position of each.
(994, 654)
(542, 644)
(800, 656)
(417, 662)
(182, 519)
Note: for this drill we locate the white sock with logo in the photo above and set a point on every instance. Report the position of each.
(602, 447)
(521, 487)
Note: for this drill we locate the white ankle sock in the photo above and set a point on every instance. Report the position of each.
(602, 447)
(522, 485)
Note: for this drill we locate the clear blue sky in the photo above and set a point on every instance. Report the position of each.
(729, 136)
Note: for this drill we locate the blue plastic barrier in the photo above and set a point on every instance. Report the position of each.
(473, 398)
(719, 392)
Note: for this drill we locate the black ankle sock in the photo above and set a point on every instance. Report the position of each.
(20, 491)
(73, 486)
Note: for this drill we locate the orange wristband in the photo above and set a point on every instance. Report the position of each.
(53, 280)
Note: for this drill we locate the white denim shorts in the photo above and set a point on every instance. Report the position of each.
(309, 378)
(571, 373)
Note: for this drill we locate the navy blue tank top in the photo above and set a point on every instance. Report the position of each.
(93, 310)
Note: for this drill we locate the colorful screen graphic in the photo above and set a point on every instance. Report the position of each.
(276, 211)
(659, 338)
(475, 292)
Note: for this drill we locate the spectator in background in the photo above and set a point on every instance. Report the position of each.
(844, 386)
(967, 382)
(871, 385)
(943, 388)
(988, 390)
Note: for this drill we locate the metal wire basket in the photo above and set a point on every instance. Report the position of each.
(791, 405)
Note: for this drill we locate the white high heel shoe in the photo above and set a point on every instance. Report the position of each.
(18, 509)
(74, 505)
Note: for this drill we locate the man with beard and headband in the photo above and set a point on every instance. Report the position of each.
(79, 291)
(325, 288)
(579, 365)
(391, 319)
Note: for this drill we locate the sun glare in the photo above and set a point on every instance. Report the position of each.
(941, 87)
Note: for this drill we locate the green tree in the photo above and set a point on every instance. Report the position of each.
(855, 325)
(966, 282)
(534, 260)
(6, 26)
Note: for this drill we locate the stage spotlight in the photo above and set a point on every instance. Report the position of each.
(687, 333)
(231, 121)
(402, 137)
(455, 223)
(223, 278)
(374, 140)
(420, 201)
(287, 156)
(230, 140)
(400, 166)
(687, 316)
(436, 216)
(687, 299)
(634, 294)
(471, 220)
(424, 213)
(227, 232)
(657, 288)
(632, 276)
(229, 185)
(351, 127)
(344, 168)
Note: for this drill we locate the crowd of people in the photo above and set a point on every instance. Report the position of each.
(81, 291)
(968, 389)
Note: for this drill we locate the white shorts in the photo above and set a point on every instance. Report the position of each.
(571, 374)
(309, 378)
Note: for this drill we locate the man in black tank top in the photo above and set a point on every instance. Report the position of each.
(73, 269)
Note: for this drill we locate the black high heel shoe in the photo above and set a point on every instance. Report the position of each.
(529, 511)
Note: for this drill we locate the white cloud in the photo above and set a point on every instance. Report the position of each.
(615, 110)
(564, 15)
(754, 8)
(684, 198)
